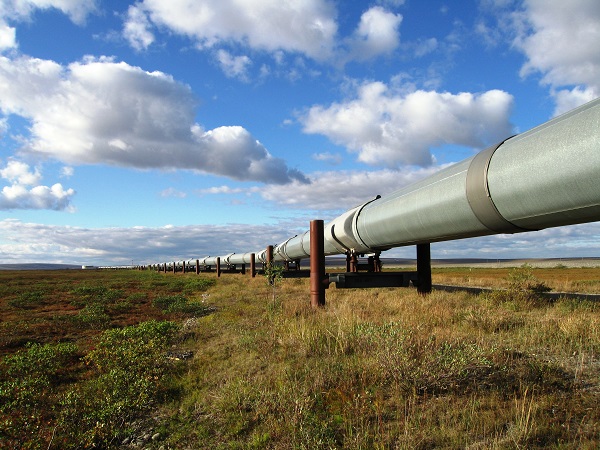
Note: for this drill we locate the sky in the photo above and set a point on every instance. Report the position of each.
(159, 130)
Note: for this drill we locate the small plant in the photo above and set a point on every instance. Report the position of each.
(28, 300)
(179, 304)
(93, 316)
(130, 366)
(273, 275)
(29, 379)
(95, 294)
(521, 279)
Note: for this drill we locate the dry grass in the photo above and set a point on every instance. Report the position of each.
(382, 368)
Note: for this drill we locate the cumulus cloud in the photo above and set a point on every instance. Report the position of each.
(234, 66)
(560, 40)
(25, 191)
(308, 27)
(391, 127)
(376, 34)
(137, 29)
(22, 10)
(99, 111)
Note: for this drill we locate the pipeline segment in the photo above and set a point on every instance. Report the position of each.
(545, 177)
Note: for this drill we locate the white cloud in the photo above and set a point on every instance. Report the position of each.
(7, 36)
(391, 127)
(234, 66)
(332, 158)
(67, 172)
(220, 190)
(98, 111)
(77, 10)
(376, 34)
(341, 190)
(560, 40)
(31, 242)
(172, 192)
(25, 192)
(19, 173)
(22, 10)
(137, 29)
(307, 27)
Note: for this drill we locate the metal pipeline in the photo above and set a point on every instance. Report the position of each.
(546, 177)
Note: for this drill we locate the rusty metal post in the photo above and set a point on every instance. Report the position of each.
(424, 268)
(174, 267)
(317, 264)
(377, 262)
(252, 265)
(353, 263)
(243, 271)
(197, 267)
(183, 266)
(269, 263)
(218, 261)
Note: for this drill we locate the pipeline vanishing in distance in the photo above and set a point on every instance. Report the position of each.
(546, 177)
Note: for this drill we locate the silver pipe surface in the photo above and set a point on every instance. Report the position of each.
(546, 177)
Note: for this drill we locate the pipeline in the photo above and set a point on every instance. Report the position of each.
(546, 177)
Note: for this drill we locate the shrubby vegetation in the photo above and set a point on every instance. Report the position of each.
(380, 368)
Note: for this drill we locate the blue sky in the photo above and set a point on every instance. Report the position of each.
(155, 130)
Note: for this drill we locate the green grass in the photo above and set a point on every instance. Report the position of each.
(379, 368)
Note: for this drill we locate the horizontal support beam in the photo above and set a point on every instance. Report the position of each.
(351, 280)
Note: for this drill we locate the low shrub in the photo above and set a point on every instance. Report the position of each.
(129, 365)
(180, 304)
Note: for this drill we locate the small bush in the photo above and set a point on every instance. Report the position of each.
(130, 365)
(93, 316)
(28, 300)
(95, 294)
(521, 279)
(180, 304)
(29, 379)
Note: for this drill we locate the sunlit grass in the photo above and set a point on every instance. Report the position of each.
(378, 368)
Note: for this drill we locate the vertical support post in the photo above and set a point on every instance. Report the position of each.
(252, 265)
(183, 266)
(218, 261)
(317, 264)
(348, 261)
(174, 267)
(197, 267)
(243, 269)
(353, 262)
(424, 268)
(269, 263)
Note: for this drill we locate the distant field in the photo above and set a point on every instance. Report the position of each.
(137, 359)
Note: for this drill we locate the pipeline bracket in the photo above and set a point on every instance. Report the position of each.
(350, 280)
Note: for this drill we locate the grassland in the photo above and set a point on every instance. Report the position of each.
(130, 359)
